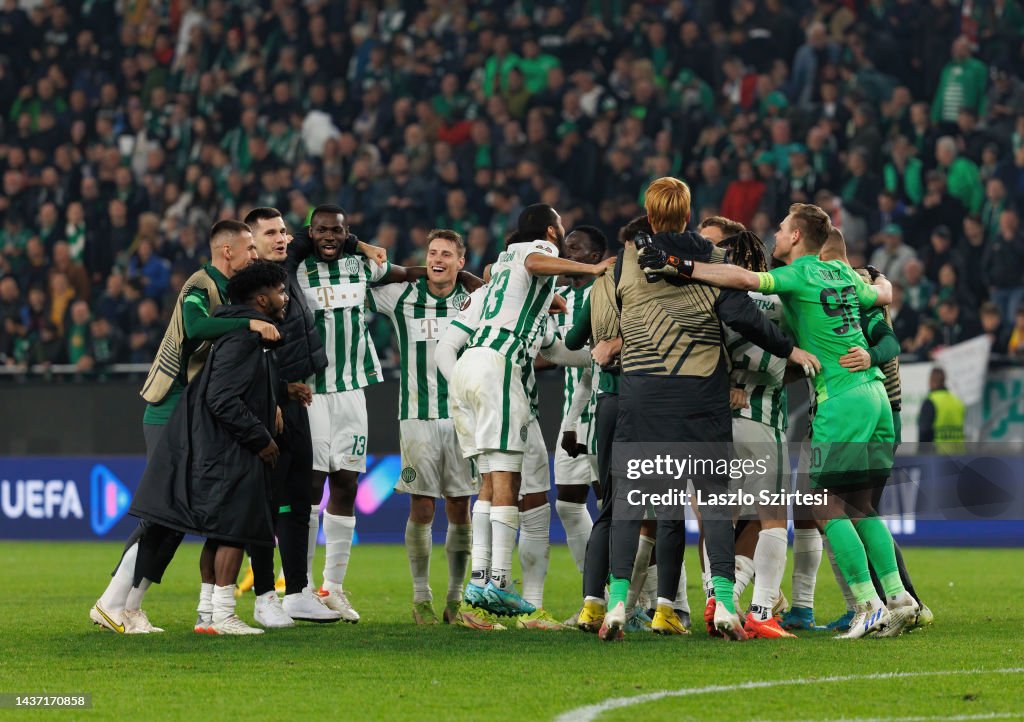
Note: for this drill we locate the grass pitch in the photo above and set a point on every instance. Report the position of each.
(385, 668)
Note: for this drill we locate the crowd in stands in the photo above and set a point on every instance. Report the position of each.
(129, 128)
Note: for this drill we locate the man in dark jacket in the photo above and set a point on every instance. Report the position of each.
(300, 355)
(210, 471)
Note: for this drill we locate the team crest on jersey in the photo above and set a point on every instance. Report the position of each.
(523, 432)
(408, 475)
(460, 301)
(352, 266)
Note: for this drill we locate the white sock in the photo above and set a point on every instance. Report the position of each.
(205, 607)
(681, 601)
(417, 546)
(769, 568)
(457, 545)
(504, 526)
(116, 594)
(223, 603)
(481, 568)
(314, 530)
(534, 552)
(744, 575)
(705, 576)
(134, 600)
(851, 601)
(577, 523)
(649, 593)
(338, 531)
(641, 564)
(806, 560)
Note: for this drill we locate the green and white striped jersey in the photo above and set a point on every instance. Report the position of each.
(574, 300)
(420, 319)
(542, 334)
(514, 301)
(336, 294)
(759, 373)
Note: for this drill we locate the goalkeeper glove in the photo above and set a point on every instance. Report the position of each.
(655, 260)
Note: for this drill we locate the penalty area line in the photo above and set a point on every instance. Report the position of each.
(593, 711)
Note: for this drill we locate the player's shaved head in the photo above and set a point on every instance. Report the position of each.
(226, 231)
(834, 248)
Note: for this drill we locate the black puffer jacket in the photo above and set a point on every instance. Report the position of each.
(205, 476)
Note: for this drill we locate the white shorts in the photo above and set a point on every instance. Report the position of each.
(432, 461)
(488, 404)
(580, 471)
(536, 468)
(754, 440)
(338, 425)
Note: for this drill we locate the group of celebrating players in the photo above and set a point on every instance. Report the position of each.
(646, 358)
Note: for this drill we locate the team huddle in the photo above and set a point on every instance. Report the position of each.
(257, 397)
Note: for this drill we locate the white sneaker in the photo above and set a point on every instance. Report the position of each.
(870, 617)
(203, 624)
(269, 613)
(136, 622)
(233, 625)
(729, 624)
(903, 613)
(308, 607)
(107, 619)
(337, 601)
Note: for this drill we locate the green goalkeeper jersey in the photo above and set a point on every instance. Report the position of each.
(822, 302)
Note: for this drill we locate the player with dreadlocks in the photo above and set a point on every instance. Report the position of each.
(758, 400)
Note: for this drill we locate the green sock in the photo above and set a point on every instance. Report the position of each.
(617, 591)
(851, 557)
(882, 553)
(723, 593)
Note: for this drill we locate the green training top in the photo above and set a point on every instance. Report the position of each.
(199, 326)
(822, 302)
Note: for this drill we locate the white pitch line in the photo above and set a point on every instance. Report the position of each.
(942, 718)
(593, 711)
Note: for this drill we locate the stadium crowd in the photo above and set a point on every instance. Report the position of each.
(126, 132)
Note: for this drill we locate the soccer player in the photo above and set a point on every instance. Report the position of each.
(575, 465)
(432, 462)
(535, 511)
(300, 355)
(181, 356)
(334, 281)
(210, 472)
(821, 304)
(883, 352)
(758, 400)
(599, 320)
(490, 406)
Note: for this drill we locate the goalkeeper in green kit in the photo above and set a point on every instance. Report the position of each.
(853, 429)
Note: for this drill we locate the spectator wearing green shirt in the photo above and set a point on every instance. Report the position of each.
(961, 85)
(962, 178)
(498, 66)
(902, 173)
(535, 66)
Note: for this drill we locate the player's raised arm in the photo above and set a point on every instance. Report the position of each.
(541, 264)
